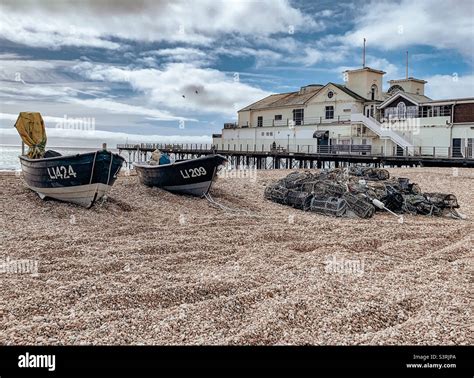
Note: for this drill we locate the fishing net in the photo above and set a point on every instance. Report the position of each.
(331, 206)
(442, 200)
(418, 204)
(392, 200)
(31, 128)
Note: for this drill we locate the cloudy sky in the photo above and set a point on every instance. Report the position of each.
(177, 70)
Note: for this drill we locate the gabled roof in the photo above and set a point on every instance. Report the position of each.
(415, 98)
(281, 99)
(349, 92)
(294, 98)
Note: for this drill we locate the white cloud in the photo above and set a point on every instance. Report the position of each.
(92, 23)
(438, 23)
(449, 86)
(115, 107)
(181, 87)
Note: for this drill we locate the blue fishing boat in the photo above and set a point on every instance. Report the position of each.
(192, 177)
(81, 179)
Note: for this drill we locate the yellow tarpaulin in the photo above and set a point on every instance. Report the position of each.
(30, 126)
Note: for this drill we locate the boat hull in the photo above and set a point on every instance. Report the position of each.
(192, 177)
(81, 179)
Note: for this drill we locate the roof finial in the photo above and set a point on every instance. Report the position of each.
(363, 56)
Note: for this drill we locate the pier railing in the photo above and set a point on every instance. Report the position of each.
(302, 149)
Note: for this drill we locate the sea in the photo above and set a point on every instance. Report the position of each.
(9, 154)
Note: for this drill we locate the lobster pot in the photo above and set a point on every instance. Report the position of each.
(373, 174)
(278, 194)
(296, 179)
(359, 205)
(308, 186)
(442, 200)
(268, 192)
(328, 189)
(299, 200)
(332, 206)
(279, 185)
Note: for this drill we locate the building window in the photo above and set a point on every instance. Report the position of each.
(401, 109)
(298, 116)
(259, 121)
(330, 94)
(278, 117)
(263, 134)
(329, 112)
(373, 92)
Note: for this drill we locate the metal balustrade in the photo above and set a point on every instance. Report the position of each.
(466, 152)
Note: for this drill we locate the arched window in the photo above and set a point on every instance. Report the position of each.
(395, 88)
(402, 109)
(373, 92)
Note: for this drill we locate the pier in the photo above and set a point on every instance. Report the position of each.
(281, 158)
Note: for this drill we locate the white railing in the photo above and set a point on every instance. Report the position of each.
(381, 131)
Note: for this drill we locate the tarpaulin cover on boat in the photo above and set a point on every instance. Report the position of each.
(30, 126)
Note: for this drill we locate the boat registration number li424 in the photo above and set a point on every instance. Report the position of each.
(193, 172)
(61, 172)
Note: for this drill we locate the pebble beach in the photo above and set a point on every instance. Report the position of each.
(149, 267)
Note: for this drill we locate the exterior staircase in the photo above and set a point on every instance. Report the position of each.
(382, 132)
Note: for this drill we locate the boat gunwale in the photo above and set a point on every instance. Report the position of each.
(187, 161)
(27, 159)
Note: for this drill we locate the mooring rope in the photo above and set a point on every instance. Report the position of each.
(93, 166)
(227, 209)
(110, 167)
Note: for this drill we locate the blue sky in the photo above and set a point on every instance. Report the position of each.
(176, 71)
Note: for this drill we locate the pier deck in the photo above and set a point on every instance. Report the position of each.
(284, 159)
